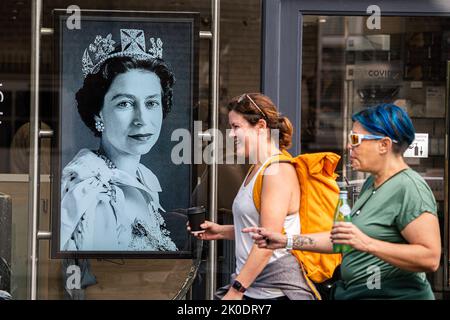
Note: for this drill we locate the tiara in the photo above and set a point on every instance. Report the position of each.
(132, 45)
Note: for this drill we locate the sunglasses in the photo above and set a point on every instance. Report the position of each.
(355, 139)
(246, 96)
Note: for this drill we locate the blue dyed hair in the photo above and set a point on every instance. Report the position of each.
(388, 120)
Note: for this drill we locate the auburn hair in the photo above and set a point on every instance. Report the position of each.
(256, 106)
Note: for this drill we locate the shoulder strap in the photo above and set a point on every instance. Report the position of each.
(257, 189)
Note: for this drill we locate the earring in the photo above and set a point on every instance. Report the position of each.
(99, 126)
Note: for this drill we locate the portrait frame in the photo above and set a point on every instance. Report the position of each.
(182, 56)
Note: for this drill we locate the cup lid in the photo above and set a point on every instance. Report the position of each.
(195, 210)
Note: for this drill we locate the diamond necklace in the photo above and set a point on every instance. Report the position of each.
(108, 162)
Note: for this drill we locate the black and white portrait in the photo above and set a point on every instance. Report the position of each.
(125, 83)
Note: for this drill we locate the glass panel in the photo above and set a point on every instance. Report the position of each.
(118, 278)
(151, 279)
(125, 279)
(240, 71)
(347, 67)
(15, 39)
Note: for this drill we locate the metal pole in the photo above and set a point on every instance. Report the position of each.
(346, 103)
(446, 251)
(34, 147)
(212, 256)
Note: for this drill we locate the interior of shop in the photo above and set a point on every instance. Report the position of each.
(346, 67)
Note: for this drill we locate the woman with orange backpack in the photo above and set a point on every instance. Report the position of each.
(262, 273)
(394, 231)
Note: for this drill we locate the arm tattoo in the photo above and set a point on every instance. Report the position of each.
(301, 242)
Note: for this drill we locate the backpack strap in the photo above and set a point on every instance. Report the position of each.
(309, 282)
(285, 157)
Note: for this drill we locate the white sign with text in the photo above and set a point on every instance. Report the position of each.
(419, 147)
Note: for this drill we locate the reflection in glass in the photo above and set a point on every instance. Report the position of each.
(347, 67)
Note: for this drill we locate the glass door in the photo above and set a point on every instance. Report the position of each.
(347, 67)
(15, 39)
(100, 278)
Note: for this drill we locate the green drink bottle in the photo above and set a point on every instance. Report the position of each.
(342, 214)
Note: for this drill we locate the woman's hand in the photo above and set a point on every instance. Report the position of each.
(266, 239)
(348, 233)
(212, 231)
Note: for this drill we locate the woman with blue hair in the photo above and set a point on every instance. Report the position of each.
(394, 231)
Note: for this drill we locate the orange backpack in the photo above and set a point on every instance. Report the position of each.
(319, 195)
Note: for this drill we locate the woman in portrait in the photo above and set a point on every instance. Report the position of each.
(109, 200)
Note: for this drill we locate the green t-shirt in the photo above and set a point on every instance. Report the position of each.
(382, 214)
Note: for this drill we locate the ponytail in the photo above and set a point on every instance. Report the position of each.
(286, 129)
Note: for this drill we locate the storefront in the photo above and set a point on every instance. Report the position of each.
(352, 54)
(320, 61)
(28, 270)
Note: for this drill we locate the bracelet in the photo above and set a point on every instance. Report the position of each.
(238, 286)
(290, 242)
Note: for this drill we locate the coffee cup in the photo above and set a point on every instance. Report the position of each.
(196, 216)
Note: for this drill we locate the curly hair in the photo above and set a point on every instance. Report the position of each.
(91, 95)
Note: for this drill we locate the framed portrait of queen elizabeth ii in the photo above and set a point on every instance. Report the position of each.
(124, 82)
